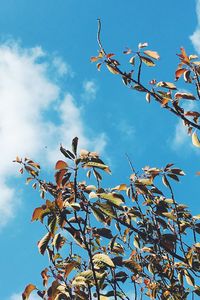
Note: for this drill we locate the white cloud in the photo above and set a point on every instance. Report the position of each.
(62, 67)
(195, 37)
(19, 297)
(28, 99)
(90, 90)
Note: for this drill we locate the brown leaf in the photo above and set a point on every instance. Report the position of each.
(184, 96)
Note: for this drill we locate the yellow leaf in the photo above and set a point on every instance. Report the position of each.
(195, 140)
(147, 61)
(29, 288)
(152, 54)
(100, 257)
(168, 85)
(121, 187)
(112, 69)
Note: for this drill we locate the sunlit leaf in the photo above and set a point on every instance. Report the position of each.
(152, 54)
(168, 85)
(189, 278)
(112, 69)
(100, 257)
(195, 140)
(147, 61)
(142, 45)
(114, 198)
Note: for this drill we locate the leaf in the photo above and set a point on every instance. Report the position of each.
(142, 45)
(43, 243)
(67, 153)
(148, 97)
(152, 54)
(45, 276)
(106, 208)
(179, 73)
(132, 265)
(105, 232)
(58, 241)
(59, 177)
(147, 61)
(97, 165)
(28, 289)
(132, 60)
(120, 187)
(112, 69)
(165, 181)
(99, 66)
(114, 198)
(195, 140)
(61, 165)
(165, 101)
(69, 267)
(184, 96)
(100, 257)
(99, 215)
(168, 85)
(189, 278)
(94, 58)
(74, 145)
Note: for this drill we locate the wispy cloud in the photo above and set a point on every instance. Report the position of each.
(89, 90)
(34, 115)
(195, 37)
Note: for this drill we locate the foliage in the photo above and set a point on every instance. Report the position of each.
(100, 238)
(165, 93)
(134, 235)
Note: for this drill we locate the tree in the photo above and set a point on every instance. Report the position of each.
(135, 235)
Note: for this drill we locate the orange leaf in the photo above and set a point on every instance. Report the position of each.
(94, 58)
(29, 288)
(37, 213)
(61, 165)
(59, 177)
(179, 73)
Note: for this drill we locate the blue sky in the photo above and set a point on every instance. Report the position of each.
(50, 92)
